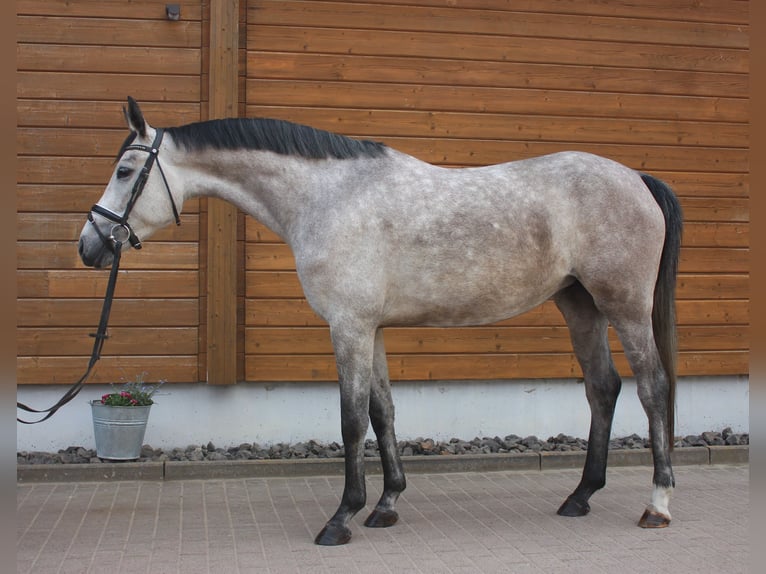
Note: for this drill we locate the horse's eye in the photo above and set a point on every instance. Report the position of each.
(123, 172)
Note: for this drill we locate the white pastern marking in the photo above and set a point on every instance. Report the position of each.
(661, 500)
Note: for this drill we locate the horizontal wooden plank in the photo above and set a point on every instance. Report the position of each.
(280, 313)
(88, 86)
(496, 48)
(704, 234)
(269, 257)
(278, 257)
(696, 233)
(298, 313)
(687, 10)
(74, 198)
(77, 198)
(65, 170)
(271, 285)
(504, 340)
(416, 367)
(100, 114)
(493, 100)
(145, 10)
(651, 159)
(477, 367)
(67, 227)
(707, 285)
(85, 313)
(482, 340)
(551, 75)
(711, 285)
(90, 283)
(488, 126)
(257, 232)
(719, 140)
(699, 209)
(110, 369)
(64, 255)
(107, 32)
(72, 142)
(481, 21)
(713, 312)
(108, 59)
(705, 185)
(713, 337)
(714, 259)
(68, 341)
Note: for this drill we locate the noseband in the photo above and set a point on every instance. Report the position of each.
(121, 230)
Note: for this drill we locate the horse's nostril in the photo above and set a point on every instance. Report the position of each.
(80, 247)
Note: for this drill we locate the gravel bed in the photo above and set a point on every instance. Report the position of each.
(418, 447)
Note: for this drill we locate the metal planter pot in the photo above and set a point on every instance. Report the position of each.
(119, 431)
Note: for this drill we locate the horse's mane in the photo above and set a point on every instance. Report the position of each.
(266, 134)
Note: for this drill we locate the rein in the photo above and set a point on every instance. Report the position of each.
(100, 336)
(121, 232)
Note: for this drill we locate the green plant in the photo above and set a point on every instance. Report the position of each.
(131, 394)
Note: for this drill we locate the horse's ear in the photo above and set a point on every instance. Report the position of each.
(134, 117)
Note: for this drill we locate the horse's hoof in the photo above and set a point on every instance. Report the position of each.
(332, 535)
(574, 507)
(652, 519)
(381, 518)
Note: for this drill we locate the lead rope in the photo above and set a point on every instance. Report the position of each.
(100, 336)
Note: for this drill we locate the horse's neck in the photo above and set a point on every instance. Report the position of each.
(274, 189)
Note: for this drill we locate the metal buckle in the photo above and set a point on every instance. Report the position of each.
(120, 233)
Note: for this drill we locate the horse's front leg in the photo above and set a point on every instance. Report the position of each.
(353, 356)
(382, 417)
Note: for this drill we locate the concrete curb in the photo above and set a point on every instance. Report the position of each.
(90, 472)
(188, 470)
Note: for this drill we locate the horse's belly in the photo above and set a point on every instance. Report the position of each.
(451, 306)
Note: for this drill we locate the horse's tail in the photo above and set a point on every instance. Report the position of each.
(664, 311)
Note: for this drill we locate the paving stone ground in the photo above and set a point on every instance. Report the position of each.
(468, 522)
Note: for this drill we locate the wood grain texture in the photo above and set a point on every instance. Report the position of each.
(76, 63)
(663, 87)
(456, 83)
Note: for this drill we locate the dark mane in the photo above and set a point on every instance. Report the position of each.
(279, 136)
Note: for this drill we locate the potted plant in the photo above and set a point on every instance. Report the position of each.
(120, 417)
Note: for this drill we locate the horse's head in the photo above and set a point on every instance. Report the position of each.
(136, 202)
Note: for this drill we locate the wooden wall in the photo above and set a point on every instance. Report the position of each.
(77, 61)
(659, 86)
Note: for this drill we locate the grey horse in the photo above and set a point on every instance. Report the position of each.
(382, 239)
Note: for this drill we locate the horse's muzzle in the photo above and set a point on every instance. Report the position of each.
(94, 253)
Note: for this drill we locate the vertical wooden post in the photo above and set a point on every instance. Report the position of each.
(222, 216)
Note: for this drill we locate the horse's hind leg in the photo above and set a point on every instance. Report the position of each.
(382, 417)
(588, 331)
(653, 391)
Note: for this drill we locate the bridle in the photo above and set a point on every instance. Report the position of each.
(121, 231)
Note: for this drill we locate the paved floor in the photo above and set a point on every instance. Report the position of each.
(461, 523)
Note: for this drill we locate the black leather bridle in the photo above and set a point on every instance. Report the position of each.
(121, 231)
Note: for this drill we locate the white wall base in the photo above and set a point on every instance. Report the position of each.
(294, 412)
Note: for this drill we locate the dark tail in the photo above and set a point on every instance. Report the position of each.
(664, 312)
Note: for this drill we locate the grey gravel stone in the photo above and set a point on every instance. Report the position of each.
(418, 447)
